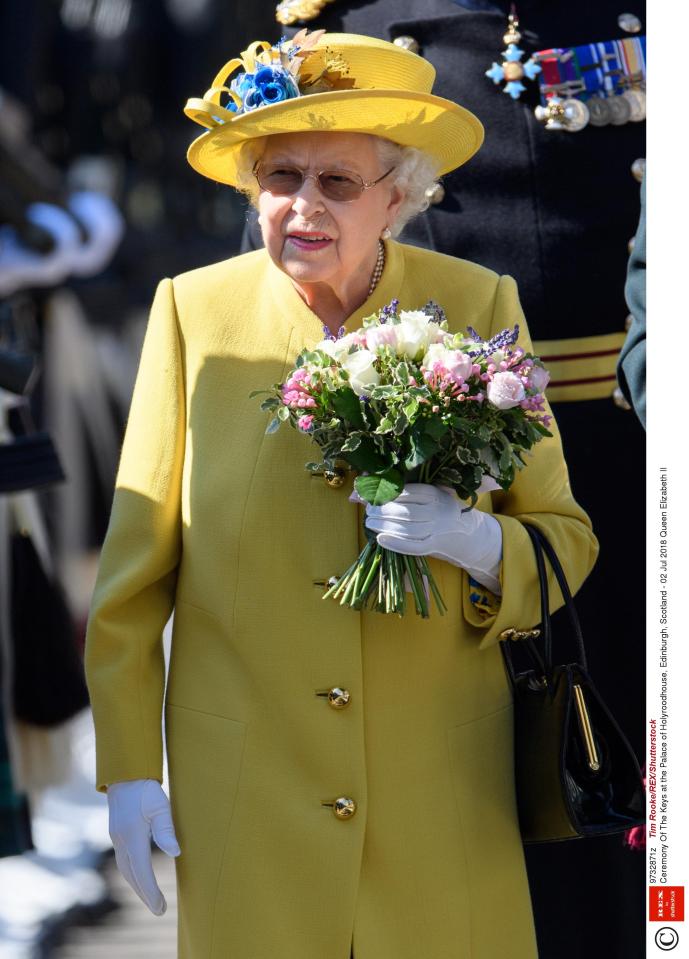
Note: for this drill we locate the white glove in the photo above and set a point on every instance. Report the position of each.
(140, 809)
(428, 520)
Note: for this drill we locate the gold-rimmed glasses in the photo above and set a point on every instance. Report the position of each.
(284, 179)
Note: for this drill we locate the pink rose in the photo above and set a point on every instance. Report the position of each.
(505, 390)
(458, 365)
(539, 378)
(377, 336)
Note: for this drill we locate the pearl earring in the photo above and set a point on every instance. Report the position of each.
(386, 234)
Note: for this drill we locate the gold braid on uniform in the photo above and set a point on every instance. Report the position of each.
(289, 12)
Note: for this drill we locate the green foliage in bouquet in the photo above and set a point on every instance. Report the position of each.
(402, 400)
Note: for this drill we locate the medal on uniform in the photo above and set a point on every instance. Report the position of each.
(599, 112)
(637, 104)
(632, 56)
(596, 84)
(620, 111)
(559, 114)
(512, 71)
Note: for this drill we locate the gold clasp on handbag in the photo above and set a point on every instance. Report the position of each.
(516, 634)
(586, 729)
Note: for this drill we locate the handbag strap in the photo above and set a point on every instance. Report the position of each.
(545, 598)
(542, 546)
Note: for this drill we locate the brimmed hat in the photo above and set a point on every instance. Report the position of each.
(337, 82)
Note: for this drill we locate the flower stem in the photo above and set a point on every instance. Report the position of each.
(418, 590)
(376, 581)
(360, 573)
(439, 601)
(372, 571)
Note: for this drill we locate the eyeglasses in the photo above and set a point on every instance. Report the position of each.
(281, 179)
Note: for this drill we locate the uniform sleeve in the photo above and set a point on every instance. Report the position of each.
(631, 367)
(135, 586)
(540, 495)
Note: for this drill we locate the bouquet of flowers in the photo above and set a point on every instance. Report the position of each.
(403, 400)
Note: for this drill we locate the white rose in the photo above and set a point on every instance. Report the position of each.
(436, 334)
(415, 316)
(412, 338)
(378, 336)
(333, 348)
(539, 378)
(362, 373)
(352, 339)
(505, 390)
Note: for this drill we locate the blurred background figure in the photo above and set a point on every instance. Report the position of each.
(97, 203)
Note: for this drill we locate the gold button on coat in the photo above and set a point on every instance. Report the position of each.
(334, 478)
(338, 698)
(344, 807)
(407, 43)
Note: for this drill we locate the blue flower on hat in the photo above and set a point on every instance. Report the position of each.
(267, 86)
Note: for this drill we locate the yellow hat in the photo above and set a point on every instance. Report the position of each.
(337, 82)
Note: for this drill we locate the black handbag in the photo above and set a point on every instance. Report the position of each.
(576, 774)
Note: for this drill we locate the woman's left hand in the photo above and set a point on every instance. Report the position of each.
(427, 520)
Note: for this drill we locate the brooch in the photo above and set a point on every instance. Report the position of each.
(512, 71)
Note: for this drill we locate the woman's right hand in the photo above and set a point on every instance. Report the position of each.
(138, 810)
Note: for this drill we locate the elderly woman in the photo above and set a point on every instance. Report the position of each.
(341, 782)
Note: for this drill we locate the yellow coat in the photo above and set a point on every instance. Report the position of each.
(223, 523)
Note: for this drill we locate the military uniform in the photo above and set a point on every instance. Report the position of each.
(631, 368)
(556, 210)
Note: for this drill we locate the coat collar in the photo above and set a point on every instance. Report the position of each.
(305, 322)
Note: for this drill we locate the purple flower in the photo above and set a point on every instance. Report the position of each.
(499, 342)
(436, 311)
(389, 311)
(329, 335)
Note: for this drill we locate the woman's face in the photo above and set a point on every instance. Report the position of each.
(346, 234)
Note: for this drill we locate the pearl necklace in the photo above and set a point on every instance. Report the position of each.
(378, 268)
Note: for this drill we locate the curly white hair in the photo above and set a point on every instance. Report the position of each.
(415, 173)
